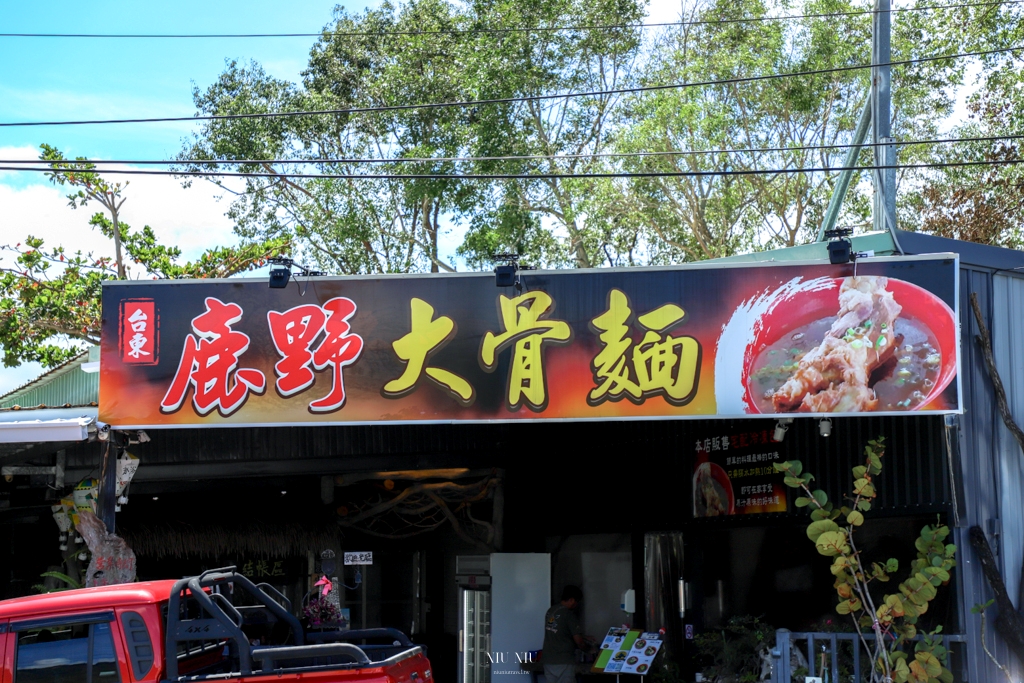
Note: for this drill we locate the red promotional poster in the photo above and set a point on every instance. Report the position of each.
(879, 335)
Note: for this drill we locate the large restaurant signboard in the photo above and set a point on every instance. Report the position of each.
(705, 340)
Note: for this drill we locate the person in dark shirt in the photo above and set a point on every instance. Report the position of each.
(562, 635)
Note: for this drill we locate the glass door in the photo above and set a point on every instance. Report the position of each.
(475, 632)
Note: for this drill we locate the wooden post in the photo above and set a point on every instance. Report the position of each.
(108, 484)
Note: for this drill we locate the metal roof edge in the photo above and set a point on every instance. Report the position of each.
(47, 376)
(880, 243)
(971, 253)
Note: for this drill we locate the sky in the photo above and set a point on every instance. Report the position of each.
(54, 79)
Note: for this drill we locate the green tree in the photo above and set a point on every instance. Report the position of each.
(427, 51)
(693, 218)
(547, 219)
(385, 57)
(50, 298)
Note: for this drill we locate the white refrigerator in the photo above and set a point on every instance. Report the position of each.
(520, 596)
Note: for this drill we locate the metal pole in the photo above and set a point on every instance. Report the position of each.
(108, 484)
(846, 176)
(884, 205)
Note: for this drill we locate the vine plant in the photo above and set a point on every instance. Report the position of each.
(891, 618)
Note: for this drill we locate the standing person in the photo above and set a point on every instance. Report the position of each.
(562, 635)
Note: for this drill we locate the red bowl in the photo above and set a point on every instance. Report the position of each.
(719, 475)
(802, 308)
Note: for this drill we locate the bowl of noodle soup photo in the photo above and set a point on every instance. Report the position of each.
(853, 344)
(712, 492)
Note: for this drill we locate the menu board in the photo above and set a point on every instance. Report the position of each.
(734, 475)
(625, 651)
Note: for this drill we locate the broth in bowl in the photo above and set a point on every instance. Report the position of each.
(901, 383)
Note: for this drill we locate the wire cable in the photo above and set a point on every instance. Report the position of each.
(528, 157)
(510, 100)
(518, 176)
(521, 29)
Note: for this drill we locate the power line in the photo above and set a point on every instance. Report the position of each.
(528, 157)
(510, 100)
(521, 29)
(522, 176)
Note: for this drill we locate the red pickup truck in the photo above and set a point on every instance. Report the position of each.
(194, 629)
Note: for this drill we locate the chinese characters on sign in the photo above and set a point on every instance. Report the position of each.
(311, 338)
(427, 336)
(137, 337)
(525, 323)
(294, 333)
(260, 569)
(358, 558)
(734, 475)
(209, 363)
(659, 365)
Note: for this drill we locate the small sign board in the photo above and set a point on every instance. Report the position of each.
(627, 651)
(358, 558)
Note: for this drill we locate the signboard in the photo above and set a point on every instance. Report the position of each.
(358, 558)
(682, 342)
(626, 651)
(733, 473)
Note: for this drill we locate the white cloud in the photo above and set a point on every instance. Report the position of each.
(191, 219)
(663, 11)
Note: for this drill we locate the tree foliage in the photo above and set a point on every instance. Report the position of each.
(50, 297)
(438, 51)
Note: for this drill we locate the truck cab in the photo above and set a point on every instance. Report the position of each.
(192, 629)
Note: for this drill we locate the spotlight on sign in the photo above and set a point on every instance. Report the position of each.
(840, 249)
(505, 276)
(506, 273)
(781, 427)
(825, 427)
(279, 277)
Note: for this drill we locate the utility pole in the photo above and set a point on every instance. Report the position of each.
(884, 214)
(877, 112)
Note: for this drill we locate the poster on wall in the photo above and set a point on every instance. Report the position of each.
(734, 474)
(694, 341)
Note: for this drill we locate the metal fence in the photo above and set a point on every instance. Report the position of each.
(827, 645)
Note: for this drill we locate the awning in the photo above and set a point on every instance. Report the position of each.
(46, 425)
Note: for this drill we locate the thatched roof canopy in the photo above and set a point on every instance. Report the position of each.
(179, 540)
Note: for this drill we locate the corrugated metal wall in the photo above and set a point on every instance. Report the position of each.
(916, 477)
(993, 481)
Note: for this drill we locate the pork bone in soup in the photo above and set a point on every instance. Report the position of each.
(902, 383)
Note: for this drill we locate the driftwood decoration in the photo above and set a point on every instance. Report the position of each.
(112, 560)
(1009, 624)
(395, 512)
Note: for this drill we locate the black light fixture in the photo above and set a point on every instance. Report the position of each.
(507, 274)
(280, 275)
(840, 249)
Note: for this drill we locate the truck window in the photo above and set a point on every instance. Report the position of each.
(68, 653)
(140, 646)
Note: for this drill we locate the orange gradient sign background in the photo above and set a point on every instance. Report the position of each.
(677, 342)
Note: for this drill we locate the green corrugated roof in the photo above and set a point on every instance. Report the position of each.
(65, 384)
(879, 242)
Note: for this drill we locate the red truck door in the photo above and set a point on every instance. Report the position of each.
(72, 647)
(5, 653)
